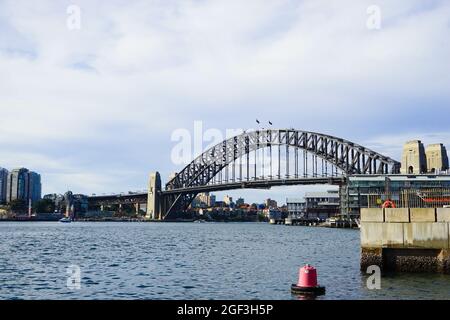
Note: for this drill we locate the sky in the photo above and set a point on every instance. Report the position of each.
(92, 101)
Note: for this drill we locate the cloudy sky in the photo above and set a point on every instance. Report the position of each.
(94, 109)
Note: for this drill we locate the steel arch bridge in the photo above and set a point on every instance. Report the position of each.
(266, 158)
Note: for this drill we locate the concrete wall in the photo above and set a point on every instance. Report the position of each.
(443, 215)
(417, 239)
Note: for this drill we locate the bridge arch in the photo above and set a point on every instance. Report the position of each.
(349, 157)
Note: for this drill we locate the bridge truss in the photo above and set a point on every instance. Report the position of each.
(266, 158)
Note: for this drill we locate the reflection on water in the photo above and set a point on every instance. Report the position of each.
(190, 261)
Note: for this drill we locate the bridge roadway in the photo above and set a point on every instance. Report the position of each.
(251, 184)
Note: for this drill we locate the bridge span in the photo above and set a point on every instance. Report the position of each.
(142, 198)
(259, 159)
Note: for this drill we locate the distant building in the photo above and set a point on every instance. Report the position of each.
(269, 203)
(437, 159)
(80, 204)
(322, 205)
(212, 199)
(240, 202)
(370, 191)
(57, 199)
(34, 185)
(23, 184)
(204, 200)
(273, 214)
(207, 199)
(75, 205)
(228, 201)
(220, 204)
(296, 207)
(3, 184)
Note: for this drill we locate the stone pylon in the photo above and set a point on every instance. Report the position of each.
(414, 160)
(153, 202)
(437, 159)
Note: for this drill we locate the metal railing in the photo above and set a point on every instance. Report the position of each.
(412, 198)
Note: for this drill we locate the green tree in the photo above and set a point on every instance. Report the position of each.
(18, 205)
(44, 206)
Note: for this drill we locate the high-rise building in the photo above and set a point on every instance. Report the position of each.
(23, 184)
(437, 159)
(269, 203)
(228, 201)
(212, 199)
(204, 200)
(3, 184)
(240, 202)
(414, 160)
(34, 186)
(17, 187)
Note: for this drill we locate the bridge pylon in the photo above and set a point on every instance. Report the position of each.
(154, 197)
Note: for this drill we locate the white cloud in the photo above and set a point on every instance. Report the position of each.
(138, 70)
(392, 145)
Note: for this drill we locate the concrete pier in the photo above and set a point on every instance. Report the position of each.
(406, 239)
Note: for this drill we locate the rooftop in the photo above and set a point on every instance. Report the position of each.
(327, 194)
(400, 177)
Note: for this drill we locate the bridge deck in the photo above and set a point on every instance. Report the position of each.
(259, 184)
(252, 184)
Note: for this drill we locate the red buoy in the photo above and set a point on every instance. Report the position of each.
(307, 277)
(307, 282)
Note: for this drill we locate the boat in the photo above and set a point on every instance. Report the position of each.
(65, 220)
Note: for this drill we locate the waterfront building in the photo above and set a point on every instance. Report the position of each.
(3, 184)
(322, 205)
(370, 191)
(273, 214)
(23, 184)
(80, 204)
(57, 199)
(75, 204)
(296, 207)
(269, 203)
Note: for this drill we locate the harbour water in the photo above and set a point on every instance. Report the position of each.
(190, 261)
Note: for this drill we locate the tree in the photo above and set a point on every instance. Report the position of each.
(18, 205)
(44, 206)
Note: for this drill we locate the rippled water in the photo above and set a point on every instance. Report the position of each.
(190, 261)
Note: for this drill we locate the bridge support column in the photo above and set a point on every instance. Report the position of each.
(138, 208)
(153, 204)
